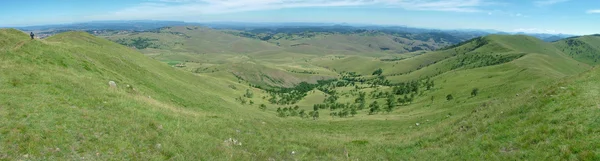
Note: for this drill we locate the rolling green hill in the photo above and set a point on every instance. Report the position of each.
(56, 104)
(479, 52)
(585, 48)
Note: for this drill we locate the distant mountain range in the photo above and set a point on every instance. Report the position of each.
(144, 25)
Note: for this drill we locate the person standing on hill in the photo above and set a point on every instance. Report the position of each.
(31, 35)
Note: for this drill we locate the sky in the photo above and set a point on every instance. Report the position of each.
(578, 17)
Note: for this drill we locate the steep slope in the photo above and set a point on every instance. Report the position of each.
(524, 51)
(55, 103)
(585, 48)
(556, 121)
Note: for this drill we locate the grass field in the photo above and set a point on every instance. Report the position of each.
(56, 104)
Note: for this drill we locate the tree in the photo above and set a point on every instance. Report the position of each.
(449, 97)
(378, 72)
(281, 112)
(474, 92)
(333, 114)
(374, 108)
(248, 94)
(262, 107)
(302, 114)
(293, 112)
(391, 103)
(314, 114)
(361, 105)
(361, 97)
(353, 112)
(243, 100)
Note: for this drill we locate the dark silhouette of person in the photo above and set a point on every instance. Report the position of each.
(31, 35)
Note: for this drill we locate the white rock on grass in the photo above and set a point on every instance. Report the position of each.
(232, 141)
(112, 84)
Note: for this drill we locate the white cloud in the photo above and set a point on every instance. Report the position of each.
(535, 30)
(548, 2)
(593, 11)
(174, 8)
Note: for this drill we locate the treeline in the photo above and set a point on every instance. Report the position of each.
(303, 72)
(139, 42)
(287, 96)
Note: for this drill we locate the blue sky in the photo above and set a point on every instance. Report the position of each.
(540, 16)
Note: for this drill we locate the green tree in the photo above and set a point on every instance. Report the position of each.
(374, 108)
(302, 114)
(262, 107)
(391, 103)
(248, 94)
(361, 97)
(449, 97)
(474, 92)
(293, 112)
(361, 105)
(333, 114)
(353, 112)
(378, 72)
(314, 114)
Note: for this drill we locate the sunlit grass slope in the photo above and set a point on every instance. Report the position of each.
(585, 48)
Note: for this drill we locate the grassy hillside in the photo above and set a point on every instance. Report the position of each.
(479, 52)
(196, 40)
(585, 49)
(56, 104)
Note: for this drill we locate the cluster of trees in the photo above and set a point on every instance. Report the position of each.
(243, 100)
(344, 113)
(303, 72)
(345, 110)
(412, 86)
(389, 106)
(391, 59)
(287, 96)
(139, 42)
(292, 112)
